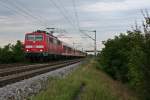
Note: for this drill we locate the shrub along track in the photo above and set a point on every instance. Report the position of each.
(14, 74)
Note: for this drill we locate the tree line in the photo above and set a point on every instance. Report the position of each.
(127, 58)
(12, 53)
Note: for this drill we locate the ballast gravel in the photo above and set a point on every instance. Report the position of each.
(29, 87)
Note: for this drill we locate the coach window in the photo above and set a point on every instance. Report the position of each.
(51, 40)
(55, 41)
(69, 49)
(59, 43)
(47, 40)
(65, 48)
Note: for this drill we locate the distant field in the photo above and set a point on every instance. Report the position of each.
(86, 83)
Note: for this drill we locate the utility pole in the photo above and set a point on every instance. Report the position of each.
(95, 47)
(94, 39)
(82, 49)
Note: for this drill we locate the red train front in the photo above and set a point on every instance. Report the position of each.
(41, 44)
(35, 42)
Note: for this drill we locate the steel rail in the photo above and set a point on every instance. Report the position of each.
(28, 74)
(19, 69)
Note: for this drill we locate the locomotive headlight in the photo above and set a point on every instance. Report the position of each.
(27, 50)
(39, 46)
(41, 50)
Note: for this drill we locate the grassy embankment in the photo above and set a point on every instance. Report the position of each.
(86, 83)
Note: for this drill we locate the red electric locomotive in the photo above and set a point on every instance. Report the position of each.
(43, 45)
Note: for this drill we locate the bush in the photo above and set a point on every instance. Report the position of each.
(12, 53)
(127, 58)
(136, 72)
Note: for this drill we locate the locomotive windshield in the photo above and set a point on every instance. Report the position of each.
(38, 37)
(31, 37)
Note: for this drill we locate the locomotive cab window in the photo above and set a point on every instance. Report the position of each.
(34, 37)
(38, 37)
(30, 37)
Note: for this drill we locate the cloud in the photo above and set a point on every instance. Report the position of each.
(91, 16)
(88, 24)
(116, 6)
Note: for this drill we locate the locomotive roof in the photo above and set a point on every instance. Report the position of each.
(41, 31)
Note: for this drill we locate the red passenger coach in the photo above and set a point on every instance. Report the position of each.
(43, 45)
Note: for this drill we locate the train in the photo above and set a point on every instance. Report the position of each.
(43, 45)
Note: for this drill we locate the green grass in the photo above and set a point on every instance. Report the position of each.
(98, 86)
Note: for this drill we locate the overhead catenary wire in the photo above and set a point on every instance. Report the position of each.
(28, 13)
(66, 12)
(77, 19)
(76, 14)
(20, 9)
(39, 17)
(17, 12)
(62, 12)
(23, 11)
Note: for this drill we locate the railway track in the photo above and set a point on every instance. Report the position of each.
(3, 66)
(15, 74)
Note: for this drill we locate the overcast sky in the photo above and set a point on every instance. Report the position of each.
(107, 17)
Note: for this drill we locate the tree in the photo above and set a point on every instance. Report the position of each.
(12, 53)
(18, 53)
(6, 54)
(127, 59)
